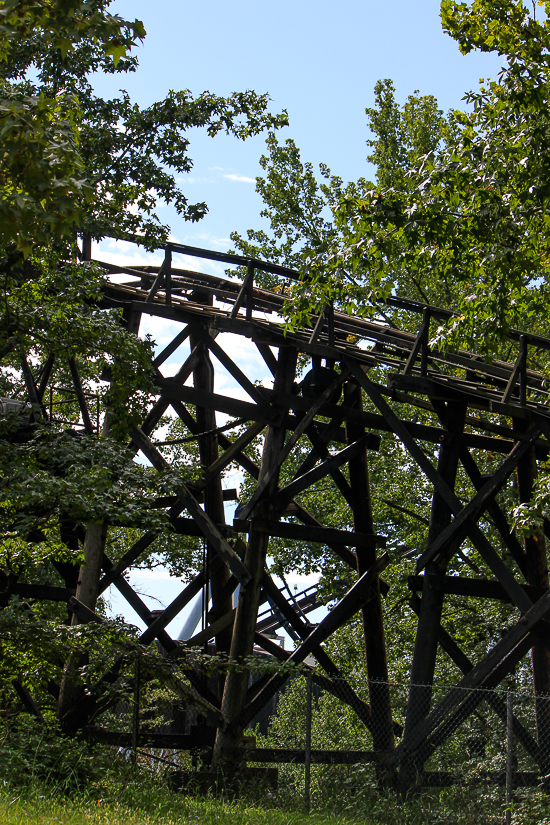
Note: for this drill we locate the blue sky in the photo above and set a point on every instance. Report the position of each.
(318, 60)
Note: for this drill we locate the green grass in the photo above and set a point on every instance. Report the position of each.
(164, 810)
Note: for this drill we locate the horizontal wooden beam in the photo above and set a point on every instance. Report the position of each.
(475, 588)
(299, 532)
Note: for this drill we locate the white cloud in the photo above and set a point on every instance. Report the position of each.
(239, 178)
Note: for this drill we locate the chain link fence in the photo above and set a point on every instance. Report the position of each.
(334, 739)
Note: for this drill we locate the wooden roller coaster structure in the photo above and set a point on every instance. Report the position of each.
(499, 408)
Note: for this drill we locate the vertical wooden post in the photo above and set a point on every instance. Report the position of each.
(307, 754)
(242, 644)
(135, 709)
(536, 572)
(429, 617)
(203, 379)
(509, 753)
(373, 619)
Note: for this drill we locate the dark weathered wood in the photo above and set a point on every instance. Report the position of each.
(321, 470)
(354, 599)
(40, 591)
(326, 535)
(373, 621)
(203, 378)
(497, 516)
(242, 643)
(429, 618)
(81, 398)
(293, 440)
(45, 376)
(210, 531)
(231, 453)
(27, 699)
(457, 528)
(170, 348)
(496, 702)
(536, 573)
(479, 676)
(475, 588)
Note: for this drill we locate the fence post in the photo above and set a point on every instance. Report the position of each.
(509, 753)
(307, 755)
(135, 709)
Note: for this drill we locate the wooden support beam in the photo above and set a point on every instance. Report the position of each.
(326, 535)
(305, 422)
(257, 394)
(170, 348)
(536, 573)
(321, 470)
(496, 702)
(479, 676)
(27, 699)
(429, 620)
(457, 529)
(489, 555)
(474, 588)
(344, 610)
(81, 398)
(210, 531)
(175, 607)
(497, 516)
(230, 454)
(203, 379)
(242, 643)
(45, 376)
(373, 621)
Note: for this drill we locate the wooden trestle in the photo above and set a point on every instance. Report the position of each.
(500, 408)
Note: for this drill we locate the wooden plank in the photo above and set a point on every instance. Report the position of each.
(40, 591)
(477, 677)
(84, 614)
(170, 348)
(126, 561)
(320, 471)
(175, 607)
(497, 516)
(497, 703)
(212, 630)
(326, 535)
(45, 376)
(472, 511)
(519, 367)
(474, 588)
(256, 393)
(500, 570)
(81, 398)
(292, 441)
(157, 283)
(341, 612)
(210, 531)
(231, 453)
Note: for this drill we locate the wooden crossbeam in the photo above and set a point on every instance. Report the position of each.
(81, 398)
(354, 599)
(478, 677)
(303, 482)
(489, 555)
(497, 703)
(471, 512)
(474, 588)
(306, 420)
(210, 531)
(298, 532)
(496, 514)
